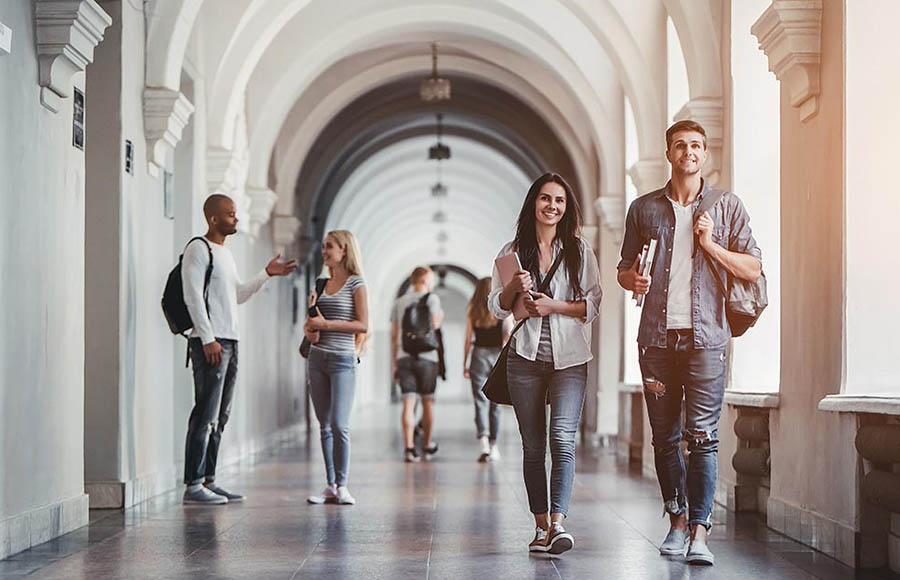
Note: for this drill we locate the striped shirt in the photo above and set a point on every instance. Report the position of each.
(339, 306)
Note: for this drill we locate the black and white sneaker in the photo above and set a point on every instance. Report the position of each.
(559, 540)
(411, 455)
(431, 451)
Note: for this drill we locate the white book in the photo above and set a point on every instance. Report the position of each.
(645, 267)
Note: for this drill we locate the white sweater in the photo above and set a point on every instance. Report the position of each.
(225, 292)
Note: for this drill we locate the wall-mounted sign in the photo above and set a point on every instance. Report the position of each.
(78, 119)
(168, 193)
(129, 157)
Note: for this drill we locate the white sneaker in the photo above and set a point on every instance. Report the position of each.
(494, 454)
(202, 496)
(344, 497)
(329, 495)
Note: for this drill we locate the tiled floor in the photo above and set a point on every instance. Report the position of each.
(451, 518)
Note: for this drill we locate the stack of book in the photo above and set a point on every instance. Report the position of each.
(645, 266)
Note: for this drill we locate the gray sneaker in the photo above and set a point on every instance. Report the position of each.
(675, 542)
(232, 497)
(203, 496)
(698, 553)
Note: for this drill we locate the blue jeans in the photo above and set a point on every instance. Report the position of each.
(332, 386)
(529, 385)
(213, 394)
(487, 413)
(697, 376)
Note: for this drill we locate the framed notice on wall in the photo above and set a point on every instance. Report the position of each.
(129, 157)
(168, 193)
(78, 120)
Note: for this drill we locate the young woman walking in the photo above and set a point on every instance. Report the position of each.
(338, 334)
(549, 354)
(489, 335)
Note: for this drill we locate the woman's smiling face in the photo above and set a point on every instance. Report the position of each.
(550, 205)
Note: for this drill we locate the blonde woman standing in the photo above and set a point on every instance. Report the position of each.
(485, 337)
(338, 334)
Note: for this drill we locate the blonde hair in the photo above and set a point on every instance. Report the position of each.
(478, 311)
(352, 263)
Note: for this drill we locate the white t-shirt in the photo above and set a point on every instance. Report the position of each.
(225, 292)
(678, 300)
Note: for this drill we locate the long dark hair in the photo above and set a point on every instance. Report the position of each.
(567, 231)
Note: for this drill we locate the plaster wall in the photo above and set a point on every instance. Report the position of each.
(42, 319)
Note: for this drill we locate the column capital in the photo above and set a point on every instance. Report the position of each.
(285, 229)
(66, 33)
(611, 209)
(649, 174)
(262, 201)
(789, 33)
(709, 112)
(166, 113)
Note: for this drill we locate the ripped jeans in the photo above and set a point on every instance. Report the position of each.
(697, 376)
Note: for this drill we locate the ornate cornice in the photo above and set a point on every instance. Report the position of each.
(611, 209)
(649, 174)
(166, 113)
(789, 33)
(66, 32)
(709, 112)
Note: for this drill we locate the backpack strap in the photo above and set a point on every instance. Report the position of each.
(320, 287)
(541, 289)
(712, 198)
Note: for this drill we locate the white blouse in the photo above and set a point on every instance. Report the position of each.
(571, 337)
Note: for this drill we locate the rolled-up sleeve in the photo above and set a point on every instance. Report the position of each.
(496, 289)
(741, 238)
(590, 283)
(632, 243)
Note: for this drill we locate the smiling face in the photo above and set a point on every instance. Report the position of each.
(550, 205)
(332, 253)
(687, 152)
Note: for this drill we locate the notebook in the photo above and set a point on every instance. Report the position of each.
(507, 266)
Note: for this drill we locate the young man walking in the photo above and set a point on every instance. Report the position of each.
(214, 344)
(684, 331)
(414, 319)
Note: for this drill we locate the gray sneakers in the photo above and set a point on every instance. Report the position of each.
(202, 496)
(230, 495)
(699, 553)
(675, 542)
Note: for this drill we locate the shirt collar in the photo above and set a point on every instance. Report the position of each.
(664, 192)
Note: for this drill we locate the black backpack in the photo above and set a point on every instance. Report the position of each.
(418, 332)
(173, 306)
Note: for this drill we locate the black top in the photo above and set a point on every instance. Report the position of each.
(491, 337)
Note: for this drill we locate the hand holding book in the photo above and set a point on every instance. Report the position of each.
(643, 266)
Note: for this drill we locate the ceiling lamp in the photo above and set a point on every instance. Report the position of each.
(439, 151)
(439, 217)
(442, 236)
(434, 88)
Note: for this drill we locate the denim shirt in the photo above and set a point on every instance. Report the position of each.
(570, 337)
(651, 216)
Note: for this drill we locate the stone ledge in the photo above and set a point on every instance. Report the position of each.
(759, 400)
(876, 404)
(22, 531)
(626, 388)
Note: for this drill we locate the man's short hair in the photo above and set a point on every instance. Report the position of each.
(418, 275)
(685, 125)
(213, 203)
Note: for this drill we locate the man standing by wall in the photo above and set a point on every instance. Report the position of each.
(684, 330)
(414, 356)
(214, 344)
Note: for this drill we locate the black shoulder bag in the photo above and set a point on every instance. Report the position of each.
(744, 300)
(496, 387)
(313, 312)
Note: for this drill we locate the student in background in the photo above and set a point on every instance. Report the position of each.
(489, 336)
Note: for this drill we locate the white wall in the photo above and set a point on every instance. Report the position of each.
(872, 203)
(755, 365)
(42, 319)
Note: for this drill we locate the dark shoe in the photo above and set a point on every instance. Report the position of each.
(539, 543)
(232, 497)
(699, 553)
(675, 542)
(484, 458)
(559, 540)
(430, 451)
